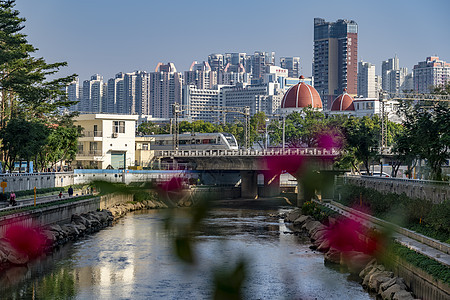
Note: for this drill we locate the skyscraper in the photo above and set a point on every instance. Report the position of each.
(259, 62)
(115, 94)
(92, 95)
(165, 90)
(366, 80)
(430, 73)
(292, 64)
(216, 62)
(392, 75)
(200, 75)
(335, 58)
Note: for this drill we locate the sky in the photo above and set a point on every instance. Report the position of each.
(111, 36)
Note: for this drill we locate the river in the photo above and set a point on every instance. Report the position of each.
(134, 260)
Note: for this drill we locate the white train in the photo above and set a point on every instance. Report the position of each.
(195, 141)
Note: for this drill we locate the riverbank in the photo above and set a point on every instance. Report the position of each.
(23, 243)
(332, 237)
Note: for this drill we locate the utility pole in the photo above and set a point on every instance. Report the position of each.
(176, 111)
(247, 127)
(284, 132)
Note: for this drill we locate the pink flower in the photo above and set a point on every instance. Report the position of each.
(27, 240)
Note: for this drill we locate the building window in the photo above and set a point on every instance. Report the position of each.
(118, 127)
(144, 146)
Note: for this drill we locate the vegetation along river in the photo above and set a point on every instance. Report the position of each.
(134, 259)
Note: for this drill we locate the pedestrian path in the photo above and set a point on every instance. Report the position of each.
(429, 247)
(41, 200)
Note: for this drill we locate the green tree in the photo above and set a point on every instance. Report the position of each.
(24, 88)
(362, 139)
(23, 140)
(148, 128)
(61, 146)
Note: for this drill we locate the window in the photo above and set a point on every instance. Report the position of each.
(144, 146)
(118, 127)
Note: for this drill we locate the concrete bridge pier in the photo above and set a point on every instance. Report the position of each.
(271, 186)
(249, 184)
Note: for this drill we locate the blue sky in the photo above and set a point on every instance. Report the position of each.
(110, 36)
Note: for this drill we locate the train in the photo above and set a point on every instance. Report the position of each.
(195, 141)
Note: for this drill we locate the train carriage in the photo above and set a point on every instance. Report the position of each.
(195, 141)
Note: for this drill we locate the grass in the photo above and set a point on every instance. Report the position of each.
(431, 266)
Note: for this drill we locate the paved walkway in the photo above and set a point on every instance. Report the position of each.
(369, 221)
(40, 200)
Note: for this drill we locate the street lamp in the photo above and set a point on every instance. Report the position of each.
(267, 134)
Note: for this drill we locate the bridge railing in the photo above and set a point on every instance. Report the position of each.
(270, 152)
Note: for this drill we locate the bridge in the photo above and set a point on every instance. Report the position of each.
(251, 163)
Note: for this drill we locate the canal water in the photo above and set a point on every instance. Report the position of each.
(134, 260)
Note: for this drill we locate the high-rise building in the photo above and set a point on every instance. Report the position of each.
(92, 95)
(165, 90)
(392, 75)
(430, 73)
(200, 75)
(366, 80)
(74, 93)
(216, 62)
(292, 64)
(116, 101)
(198, 103)
(335, 58)
(259, 62)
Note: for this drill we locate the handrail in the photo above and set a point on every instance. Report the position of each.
(244, 152)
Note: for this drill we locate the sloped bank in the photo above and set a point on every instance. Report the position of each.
(54, 235)
(375, 278)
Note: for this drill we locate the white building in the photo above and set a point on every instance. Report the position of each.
(197, 102)
(430, 73)
(360, 107)
(108, 141)
(259, 98)
(366, 80)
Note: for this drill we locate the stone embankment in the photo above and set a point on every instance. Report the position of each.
(80, 225)
(375, 278)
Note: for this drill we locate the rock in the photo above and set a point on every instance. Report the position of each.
(356, 261)
(377, 279)
(319, 234)
(310, 225)
(402, 295)
(293, 215)
(389, 293)
(77, 219)
(324, 246)
(368, 268)
(302, 219)
(333, 255)
(17, 258)
(376, 269)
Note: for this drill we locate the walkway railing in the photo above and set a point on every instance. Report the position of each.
(236, 153)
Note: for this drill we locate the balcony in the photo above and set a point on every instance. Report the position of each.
(91, 133)
(89, 153)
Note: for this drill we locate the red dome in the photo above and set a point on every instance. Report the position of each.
(343, 103)
(301, 95)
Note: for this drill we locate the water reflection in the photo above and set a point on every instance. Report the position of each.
(134, 260)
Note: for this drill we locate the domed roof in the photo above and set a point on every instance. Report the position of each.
(301, 95)
(343, 103)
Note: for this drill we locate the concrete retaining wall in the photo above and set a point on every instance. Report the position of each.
(412, 188)
(63, 212)
(423, 285)
(22, 181)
